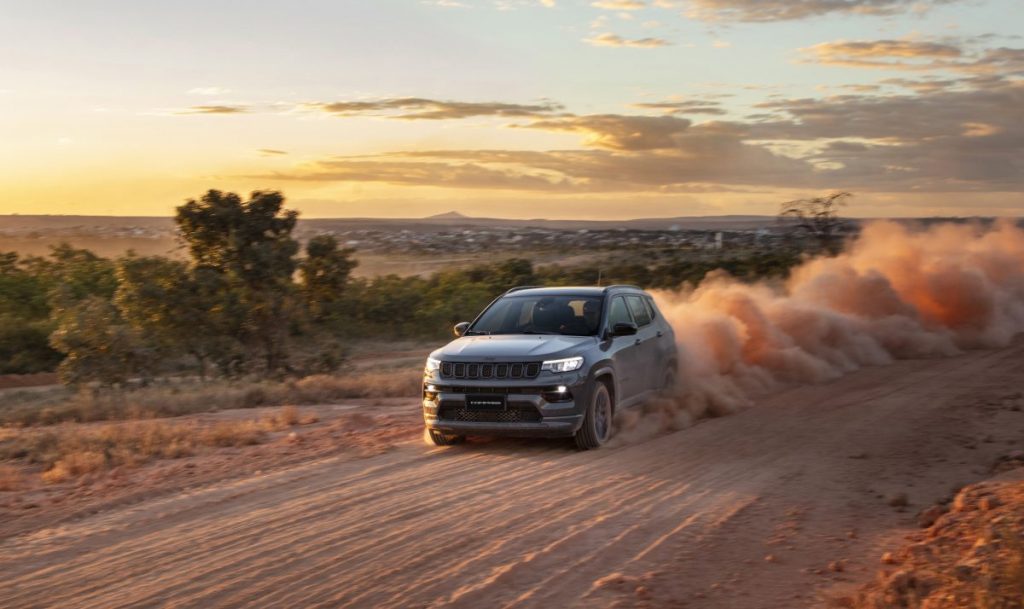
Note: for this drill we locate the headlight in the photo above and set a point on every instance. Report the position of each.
(433, 364)
(563, 365)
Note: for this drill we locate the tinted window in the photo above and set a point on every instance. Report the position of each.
(640, 312)
(618, 312)
(563, 314)
(650, 306)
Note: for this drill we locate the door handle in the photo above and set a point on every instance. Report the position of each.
(638, 341)
(659, 333)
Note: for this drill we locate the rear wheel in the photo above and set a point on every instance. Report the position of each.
(597, 422)
(443, 439)
(668, 382)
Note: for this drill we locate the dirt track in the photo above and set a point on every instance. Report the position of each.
(742, 511)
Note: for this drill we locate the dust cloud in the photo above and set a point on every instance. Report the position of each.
(895, 292)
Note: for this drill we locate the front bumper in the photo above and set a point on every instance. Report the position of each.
(527, 412)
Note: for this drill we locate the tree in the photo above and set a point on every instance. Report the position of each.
(177, 309)
(325, 273)
(818, 218)
(76, 274)
(250, 244)
(97, 345)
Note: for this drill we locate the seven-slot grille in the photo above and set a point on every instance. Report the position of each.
(463, 370)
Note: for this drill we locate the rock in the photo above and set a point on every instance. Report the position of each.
(899, 500)
(988, 503)
(928, 517)
(642, 592)
(963, 502)
(770, 558)
(888, 559)
(964, 571)
(836, 566)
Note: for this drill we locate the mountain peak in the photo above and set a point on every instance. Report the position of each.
(451, 215)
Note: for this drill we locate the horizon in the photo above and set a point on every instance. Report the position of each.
(517, 109)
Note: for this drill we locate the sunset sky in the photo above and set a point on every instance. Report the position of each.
(514, 108)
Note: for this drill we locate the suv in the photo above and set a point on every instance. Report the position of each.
(550, 362)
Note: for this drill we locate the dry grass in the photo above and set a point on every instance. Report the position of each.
(175, 400)
(71, 451)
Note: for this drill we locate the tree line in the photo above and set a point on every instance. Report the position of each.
(248, 300)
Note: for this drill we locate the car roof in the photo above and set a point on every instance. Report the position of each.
(570, 290)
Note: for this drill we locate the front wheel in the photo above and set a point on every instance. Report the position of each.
(442, 439)
(597, 422)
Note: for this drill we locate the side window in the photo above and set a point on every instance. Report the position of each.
(639, 309)
(650, 307)
(618, 312)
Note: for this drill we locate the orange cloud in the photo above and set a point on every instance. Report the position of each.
(614, 40)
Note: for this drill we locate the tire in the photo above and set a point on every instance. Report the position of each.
(443, 439)
(597, 422)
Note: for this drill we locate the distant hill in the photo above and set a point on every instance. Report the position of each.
(78, 224)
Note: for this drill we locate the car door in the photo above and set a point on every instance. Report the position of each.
(647, 346)
(625, 352)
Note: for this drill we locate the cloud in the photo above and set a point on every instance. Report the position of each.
(416, 108)
(214, 109)
(669, 156)
(916, 55)
(614, 40)
(968, 137)
(620, 5)
(785, 10)
(271, 152)
(619, 132)
(683, 107)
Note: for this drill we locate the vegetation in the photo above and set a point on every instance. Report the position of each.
(248, 303)
(72, 451)
(818, 218)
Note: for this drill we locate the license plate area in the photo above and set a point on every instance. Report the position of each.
(484, 402)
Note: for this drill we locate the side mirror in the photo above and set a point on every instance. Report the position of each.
(460, 328)
(623, 328)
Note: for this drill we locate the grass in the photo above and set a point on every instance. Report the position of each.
(24, 409)
(70, 451)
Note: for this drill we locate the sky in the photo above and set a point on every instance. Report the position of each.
(597, 109)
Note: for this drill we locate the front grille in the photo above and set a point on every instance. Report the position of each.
(513, 414)
(491, 389)
(465, 370)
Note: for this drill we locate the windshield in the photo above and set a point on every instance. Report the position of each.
(562, 314)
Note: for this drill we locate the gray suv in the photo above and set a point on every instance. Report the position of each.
(550, 362)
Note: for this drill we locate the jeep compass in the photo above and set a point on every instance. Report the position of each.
(549, 362)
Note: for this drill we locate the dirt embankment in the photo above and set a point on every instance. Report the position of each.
(971, 555)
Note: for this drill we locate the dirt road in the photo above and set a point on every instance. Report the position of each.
(742, 511)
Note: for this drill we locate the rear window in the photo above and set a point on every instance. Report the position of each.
(641, 313)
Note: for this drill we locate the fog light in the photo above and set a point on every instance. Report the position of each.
(430, 393)
(560, 393)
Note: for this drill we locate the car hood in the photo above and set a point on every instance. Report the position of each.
(511, 347)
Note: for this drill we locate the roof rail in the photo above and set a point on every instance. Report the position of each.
(623, 285)
(522, 287)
